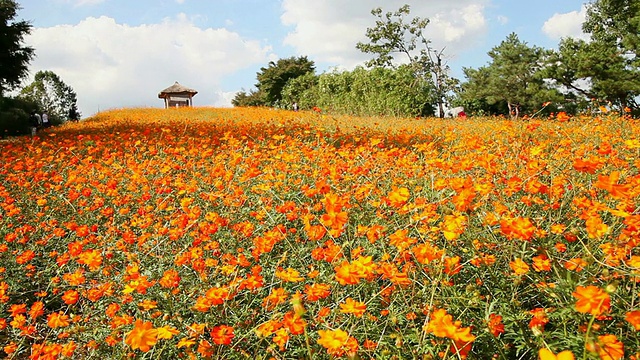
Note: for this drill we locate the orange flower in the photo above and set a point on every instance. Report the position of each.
(16, 309)
(276, 297)
(289, 275)
(68, 349)
(608, 347)
(596, 229)
(222, 334)
(294, 323)
(346, 274)
(592, 300)
(562, 116)
(36, 310)
(143, 336)
(217, 295)
(519, 267)
(333, 341)
(539, 319)
(546, 354)
(517, 228)
(354, 307)
(426, 253)
(400, 239)
(495, 325)
(453, 226)
(315, 292)
(170, 279)
(91, 258)
(441, 324)
(185, 342)
(58, 319)
(70, 297)
(633, 317)
(398, 196)
(541, 263)
(281, 338)
(10, 348)
(76, 278)
(452, 265)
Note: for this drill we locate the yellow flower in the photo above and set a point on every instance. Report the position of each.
(167, 332)
(545, 354)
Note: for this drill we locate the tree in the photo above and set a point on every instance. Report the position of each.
(392, 37)
(272, 79)
(52, 96)
(607, 68)
(251, 98)
(14, 56)
(615, 22)
(302, 90)
(595, 70)
(363, 92)
(513, 76)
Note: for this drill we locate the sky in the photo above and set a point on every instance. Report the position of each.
(122, 53)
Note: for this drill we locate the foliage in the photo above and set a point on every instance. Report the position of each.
(14, 116)
(607, 67)
(615, 22)
(272, 80)
(391, 37)
(52, 95)
(251, 98)
(258, 233)
(14, 56)
(514, 76)
(595, 70)
(302, 90)
(379, 91)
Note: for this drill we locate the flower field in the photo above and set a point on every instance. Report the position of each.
(254, 233)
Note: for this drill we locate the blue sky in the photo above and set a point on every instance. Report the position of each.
(121, 53)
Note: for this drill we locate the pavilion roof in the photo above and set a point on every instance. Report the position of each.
(176, 88)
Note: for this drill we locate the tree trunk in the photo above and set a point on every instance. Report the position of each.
(514, 110)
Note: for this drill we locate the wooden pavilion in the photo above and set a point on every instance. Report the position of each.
(177, 95)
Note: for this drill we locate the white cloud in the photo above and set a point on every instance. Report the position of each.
(84, 2)
(116, 65)
(328, 31)
(566, 25)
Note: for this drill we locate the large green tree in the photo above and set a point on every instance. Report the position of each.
(595, 70)
(607, 67)
(272, 79)
(615, 22)
(14, 55)
(393, 38)
(514, 76)
(52, 96)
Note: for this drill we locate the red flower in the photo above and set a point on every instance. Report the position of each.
(222, 334)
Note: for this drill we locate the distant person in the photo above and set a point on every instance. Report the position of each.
(38, 119)
(33, 123)
(45, 120)
(455, 112)
(295, 106)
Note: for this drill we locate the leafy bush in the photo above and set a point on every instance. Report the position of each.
(14, 116)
